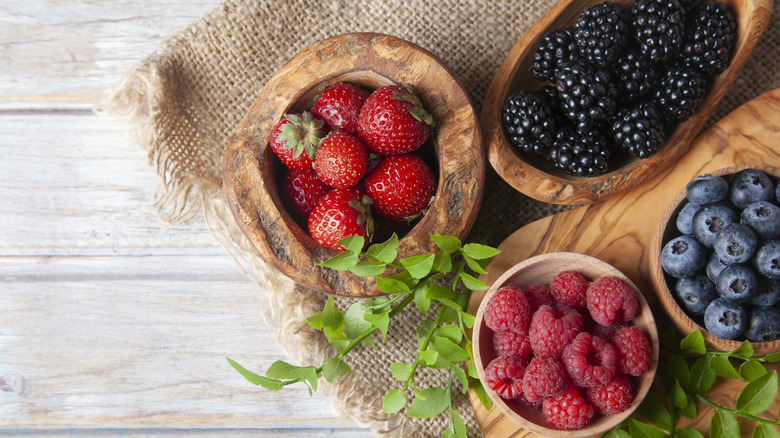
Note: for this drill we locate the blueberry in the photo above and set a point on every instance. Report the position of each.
(768, 292)
(764, 325)
(707, 189)
(708, 222)
(683, 256)
(685, 217)
(714, 267)
(764, 218)
(767, 259)
(777, 193)
(695, 293)
(725, 319)
(737, 283)
(735, 244)
(749, 186)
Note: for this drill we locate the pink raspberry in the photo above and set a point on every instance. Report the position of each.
(511, 343)
(633, 350)
(614, 397)
(544, 377)
(568, 411)
(611, 301)
(507, 310)
(568, 287)
(504, 375)
(605, 332)
(537, 294)
(589, 360)
(552, 328)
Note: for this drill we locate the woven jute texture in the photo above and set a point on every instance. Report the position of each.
(185, 99)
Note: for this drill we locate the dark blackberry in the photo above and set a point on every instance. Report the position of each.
(690, 5)
(681, 90)
(636, 75)
(710, 35)
(558, 48)
(587, 94)
(658, 28)
(601, 31)
(639, 130)
(580, 153)
(529, 122)
(549, 94)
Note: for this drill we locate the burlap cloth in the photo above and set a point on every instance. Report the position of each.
(187, 96)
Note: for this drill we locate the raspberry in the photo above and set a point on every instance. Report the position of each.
(511, 343)
(605, 332)
(633, 350)
(610, 301)
(552, 328)
(504, 375)
(614, 397)
(507, 310)
(568, 411)
(544, 377)
(568, 287)
(589, 360)
(537, 294)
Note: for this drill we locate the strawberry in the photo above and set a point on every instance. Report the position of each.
(393, 121)
(341, 213)
(302, 190)
(401, 186)
(342, 160)
(295, 139)
(339, 106)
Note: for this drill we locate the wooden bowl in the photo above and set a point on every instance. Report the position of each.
(542, 269)
(251, 178)
(537, 178)
(666, 231)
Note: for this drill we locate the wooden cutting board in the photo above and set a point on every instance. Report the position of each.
(620, 229)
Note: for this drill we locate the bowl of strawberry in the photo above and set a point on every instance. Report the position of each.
(360, 134)
(565, 345)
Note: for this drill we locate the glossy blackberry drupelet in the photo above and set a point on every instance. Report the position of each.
(580, 153)
(601, 32)
(558, 48)
(681, 90)
(529, 122)
(658, 28)
(710, 36)
(636, 76)
(587, 93)
(639, 130)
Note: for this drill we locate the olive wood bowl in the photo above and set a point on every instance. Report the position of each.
(252, 173)
(542, 269)
(665, 231)
(538, 179)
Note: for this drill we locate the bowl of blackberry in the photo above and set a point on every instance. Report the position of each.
(596, 96)
(715, 258)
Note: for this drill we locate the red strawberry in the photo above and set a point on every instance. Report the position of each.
(339, 106)
(295, 139)
(342, 160)
(393, 121)
(339, 214)
(302, 190)
(401, 186)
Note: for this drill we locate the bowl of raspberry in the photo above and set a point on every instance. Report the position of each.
(715, 258)
(597, 96)
(565, 345)
(361, 134)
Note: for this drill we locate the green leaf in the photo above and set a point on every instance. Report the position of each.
(451, 332)
(765, 431)
(354, 323)
(773, 357)
(677, 367)
(401, 370)
(449, 350)
(450, 244)
(723, 368)
(380, 321)
(457, 424)
(482, 395)
(442, 262)
(333, 368)
(689, 411)
(642, 430)
(758, 395)
(315, 321)
(677, 396)
(684, 432)
(751, 370)
(668, 336)
(430, 403)
(474, 265)
(693, 343)
(443, 295)
(654, 411)
(461, 376)
(394, 401)
(702, 376)
(385, 252)
(418, 266)
(281, 370)
(617, 433)
(421, 300)
(391, 285)
(369, 268)
(744, 349)
(468, 319)
(423, 328)
(265, 382)
(331, 317)
(723, 425)
(430, 357)
(479, 252)
(353, 244)
(342, 261)
(471, 282)
(308, 374)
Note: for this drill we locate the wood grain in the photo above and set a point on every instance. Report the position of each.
(620, 229)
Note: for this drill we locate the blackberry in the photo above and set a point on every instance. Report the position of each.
(658, 27)
(636, 75)
(600, 31)
(580, 153)
(681, 91)
(691, 5)
(639, 130)
(529, 122)
(711, 33)
(558, 48)
(587, 94)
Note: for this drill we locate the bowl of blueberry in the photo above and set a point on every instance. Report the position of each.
(597, 96)
(716, 258)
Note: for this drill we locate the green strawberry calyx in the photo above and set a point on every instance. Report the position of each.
(302, 133)
(417, 110)
(364, 218)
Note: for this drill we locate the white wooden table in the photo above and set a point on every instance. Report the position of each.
(111, 322)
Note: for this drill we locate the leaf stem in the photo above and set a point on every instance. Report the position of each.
(425, 343)
(734, 412)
